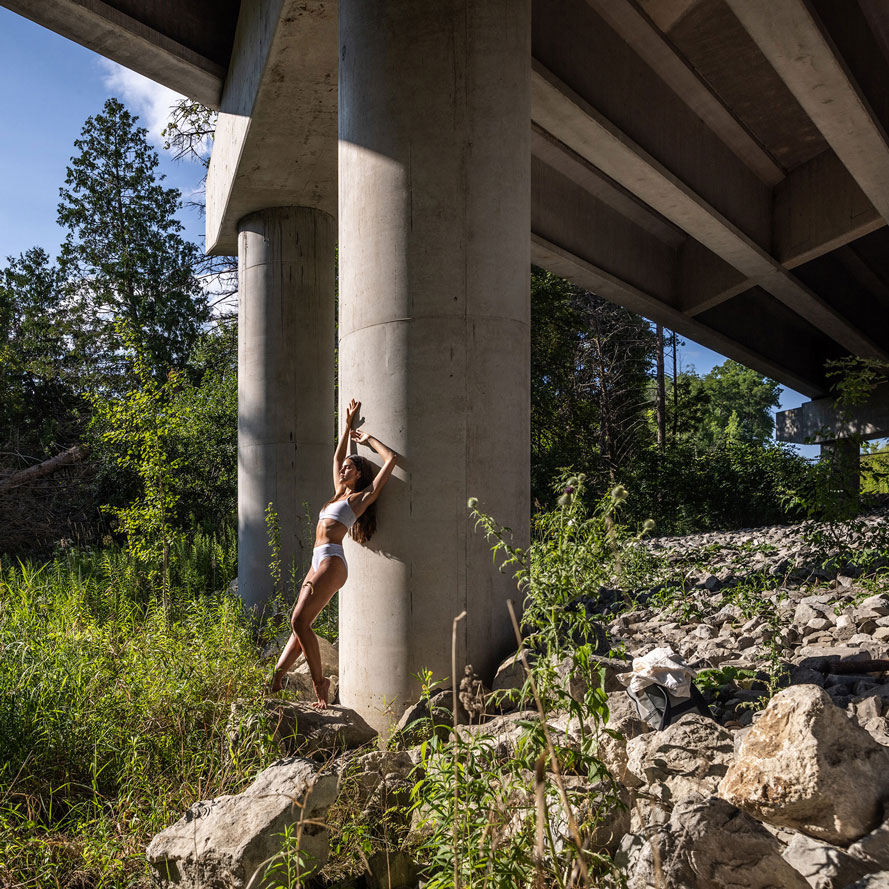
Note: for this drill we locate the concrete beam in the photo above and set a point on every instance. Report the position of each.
(276, 138)
(568, 265)
(104, 29)
(573, 121)
(792, 41)
(582, 223)
(818, 208)
(820, 421)
(649, 42)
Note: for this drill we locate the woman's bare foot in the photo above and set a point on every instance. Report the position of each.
(322, 689)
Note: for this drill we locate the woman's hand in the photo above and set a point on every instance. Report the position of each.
(352, 412)
(360, 437)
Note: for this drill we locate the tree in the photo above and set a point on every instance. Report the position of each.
(38, 401)
(731, 401)
(590, 368)
(124, 258)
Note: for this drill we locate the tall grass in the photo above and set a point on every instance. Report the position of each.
(116, 714)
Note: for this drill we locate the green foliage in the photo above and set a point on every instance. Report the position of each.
(139, 426)
(205, 440)
(590, 366)
(733, 484)
(716, 677)
(124, 258)
(574, 550)
(731, 402)
(875, 469)
(116, 715)
(38, 394)
(500, 819)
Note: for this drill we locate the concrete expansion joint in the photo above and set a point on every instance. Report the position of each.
(309, 259)
(500, 319)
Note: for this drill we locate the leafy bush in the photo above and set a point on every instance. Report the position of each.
(728, 486)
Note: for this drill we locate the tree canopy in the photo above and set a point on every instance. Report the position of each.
(124, 258)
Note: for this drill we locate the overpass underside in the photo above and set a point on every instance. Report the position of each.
(720, 166)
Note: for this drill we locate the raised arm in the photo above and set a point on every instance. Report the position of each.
(342, 447)
(390, 458)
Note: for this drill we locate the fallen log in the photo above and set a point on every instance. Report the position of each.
(25, 476)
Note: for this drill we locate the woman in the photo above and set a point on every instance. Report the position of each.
(351, 510)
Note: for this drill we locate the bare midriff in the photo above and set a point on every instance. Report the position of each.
(329, 531)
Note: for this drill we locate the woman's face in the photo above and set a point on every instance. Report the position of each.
(349, 474)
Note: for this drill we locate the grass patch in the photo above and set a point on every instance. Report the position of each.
(115, 714)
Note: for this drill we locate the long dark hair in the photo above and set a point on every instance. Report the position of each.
(366, 523)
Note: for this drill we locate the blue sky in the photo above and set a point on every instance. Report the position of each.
(51, 86)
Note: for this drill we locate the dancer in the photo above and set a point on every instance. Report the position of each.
(351, 510)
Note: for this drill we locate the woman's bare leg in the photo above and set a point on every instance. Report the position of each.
(291, 652)
(318, 589)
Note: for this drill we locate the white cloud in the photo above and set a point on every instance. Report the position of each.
(150, 100)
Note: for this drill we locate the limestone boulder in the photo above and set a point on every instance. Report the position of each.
(228, 841)
(330, 659)
(708, 844)
(807, 766)
(825, 866)
(319, 734)
(510, 679)
(875, 846)
(622, 726)
(878, 880)
(378, 779)
(689, 757)
(301, 683)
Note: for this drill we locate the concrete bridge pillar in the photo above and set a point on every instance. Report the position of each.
(285, 387)
(434, 213)
(843, 458)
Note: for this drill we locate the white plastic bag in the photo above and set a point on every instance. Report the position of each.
(661, 666)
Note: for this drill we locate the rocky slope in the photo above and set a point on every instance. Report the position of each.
(784, 786)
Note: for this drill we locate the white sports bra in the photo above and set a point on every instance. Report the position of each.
(340, 511)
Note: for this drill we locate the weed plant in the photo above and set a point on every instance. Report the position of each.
(534, 812)
(117, 714)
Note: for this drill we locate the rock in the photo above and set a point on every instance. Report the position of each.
(709, 844)
(330, 659)
(391, 870)
(874, 881)
(612, 749)
(871, 608)
(605, 669)
(690, 756)
(875, 846)
(319, 734)
(510, 677)
(805, 765)
(419, 722)
(381, 778)
(301, 683)
(501, 734)
(804, 613)
(223, 842)
(823, 865)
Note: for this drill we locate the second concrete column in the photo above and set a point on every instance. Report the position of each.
(434, 202)
(286, 261)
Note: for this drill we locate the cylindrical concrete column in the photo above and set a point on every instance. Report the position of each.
(434, 210)
(843, 458)
(285, 388)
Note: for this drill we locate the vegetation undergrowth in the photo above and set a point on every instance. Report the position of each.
(536, 810)
(116, 714)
